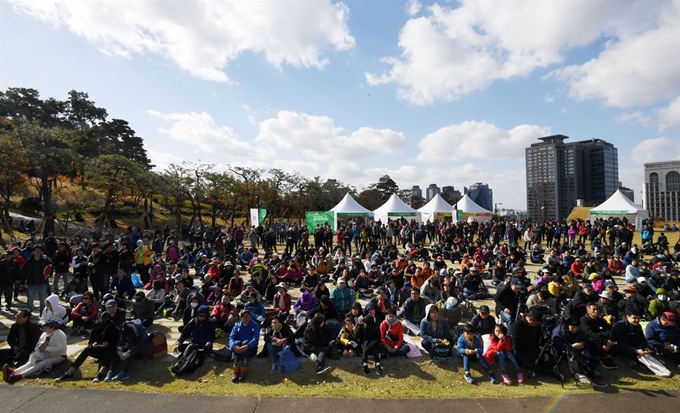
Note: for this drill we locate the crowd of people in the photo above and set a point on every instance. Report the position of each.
(306, 300)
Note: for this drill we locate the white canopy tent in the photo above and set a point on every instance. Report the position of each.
(395, 208)
(436, 208)
(348, 207)
(467, 209)
(618, 206)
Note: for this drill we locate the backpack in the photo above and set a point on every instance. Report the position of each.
(159, 345)
(188, 363)
(288, 363)
(223, 354)
(441, 352)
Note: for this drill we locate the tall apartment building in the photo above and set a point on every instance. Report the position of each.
(481, 194)
(416, 192)
(559, 174)
(450, 194)
(431, 191)
(662, 189)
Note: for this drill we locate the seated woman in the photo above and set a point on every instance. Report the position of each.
(256, 308)
(157, 294)
(304, 304)
(282, 299)
(85, 313)
(54, 311)
(434, 331)
(243, 344)
(101, 346)
(392, 336)
(224, 315)
(50, 351)
(470, 348)
(317, 341)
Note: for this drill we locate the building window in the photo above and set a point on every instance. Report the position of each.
(654, 178)
(672, 181)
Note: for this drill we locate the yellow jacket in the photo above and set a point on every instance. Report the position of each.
(146, 255)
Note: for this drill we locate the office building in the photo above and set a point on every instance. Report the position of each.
(481, 194)
(561, 175)
(450, 194)
(431, 191)
(662, 190)
(416, 192)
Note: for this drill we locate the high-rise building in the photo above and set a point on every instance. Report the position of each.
(662, 189)
(481, 194)
(416, 192)
(560, 175)
(450, 194)
(431, 191)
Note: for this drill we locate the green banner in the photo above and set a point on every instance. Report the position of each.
(401, 214)
(352, 214)
(314, 218)
(593, 212)
(261, 214)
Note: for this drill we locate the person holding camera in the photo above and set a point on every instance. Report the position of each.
(529, 344)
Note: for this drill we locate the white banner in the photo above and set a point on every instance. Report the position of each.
(254, 217)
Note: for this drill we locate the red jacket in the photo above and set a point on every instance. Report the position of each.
(286, 302)
(396, 330)
(497, 346)
(92, 311)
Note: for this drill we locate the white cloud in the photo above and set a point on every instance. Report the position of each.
(478, 140)
(199, 130)
(203, 36)
(413, 7)
(162, 159)
(317, 137)
(455, 51)
(669, 117)
(654, 150)
(634, 117)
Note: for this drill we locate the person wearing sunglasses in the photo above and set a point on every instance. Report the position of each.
(199, 333)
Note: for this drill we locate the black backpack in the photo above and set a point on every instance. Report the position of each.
(187, 363)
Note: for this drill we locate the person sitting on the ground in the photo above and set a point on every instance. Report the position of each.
(277, 338)
(598, 336)
(350, 336)
(189, 312)
(481, 321)
(392, 336)
(77, 286)
(122, 286)
(507, 303)
(113, 313)
(54, 311)
(304, 304)
(342, 297)
(282, 299)
(85, 313)
(663, 337)
(243, 345)
(133, 337)
(450, 311)
(370, 344)
(224, 314)
(434, 331)
(201, 334)
(101, 346)
(660, 304)
(142, 309)
(318, 341)
(413, 311)
(527, 335)
(22, 339)
(470, 348)
(473, 285)
(630, 341)
(257, 310)
(570, 338)
(501, 349)
(156, 294)
(49, 351)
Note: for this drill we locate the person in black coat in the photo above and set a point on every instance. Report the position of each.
(317, 341)
(22, 339)
(370, 344)
(101, 346)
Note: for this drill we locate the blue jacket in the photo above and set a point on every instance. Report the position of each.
(123, 286)
(132, 347)
(245, 332)
(256, 310)
(657, 335)
(201, 333)
(463, 344)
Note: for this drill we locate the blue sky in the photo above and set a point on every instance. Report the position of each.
(428, 92)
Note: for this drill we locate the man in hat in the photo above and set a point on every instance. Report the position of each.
(133, 337)
(507, 302)
(482, 322)
(660, 304)
(342, 297)
(608, 308)
(61, 260)
(200, 332)
(577, 267)
(663, 337)
(142, 309)
(113, 313)
(243, 344)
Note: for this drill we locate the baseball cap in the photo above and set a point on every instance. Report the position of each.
(111, 303)
(484, 309)
(669, 317)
